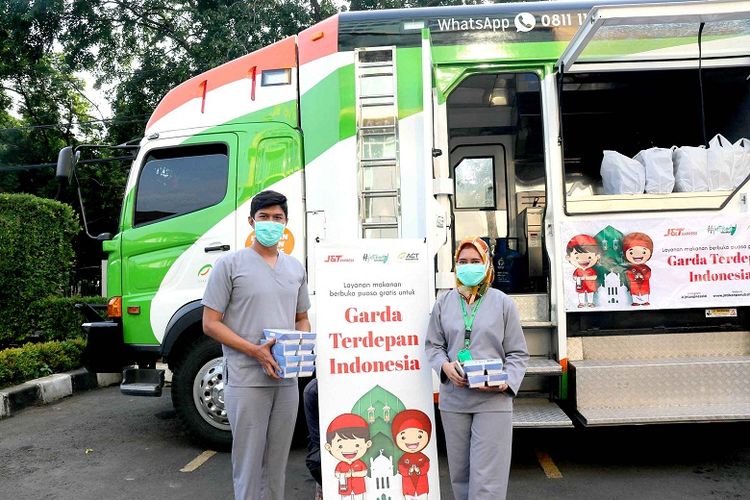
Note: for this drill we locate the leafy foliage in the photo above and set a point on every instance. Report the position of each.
(31, 361)
(36, 254)
(56, 318)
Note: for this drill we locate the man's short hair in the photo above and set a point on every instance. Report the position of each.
(349, 433)
(268, 199)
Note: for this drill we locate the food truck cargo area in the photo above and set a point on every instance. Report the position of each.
(419, 124)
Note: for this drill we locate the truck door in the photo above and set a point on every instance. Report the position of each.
(178, 219)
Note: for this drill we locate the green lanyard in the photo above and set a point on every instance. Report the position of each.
(464, 354)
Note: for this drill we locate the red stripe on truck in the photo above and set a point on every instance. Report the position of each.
(281, 54)
(319, 40)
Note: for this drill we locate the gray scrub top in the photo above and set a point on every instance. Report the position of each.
(252, 296)
(496, 333)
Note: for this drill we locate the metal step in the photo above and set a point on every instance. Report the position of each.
(142, 382)
(532, 306)
(543, 366)
(670, 414)
(657, 390)
(538, 412)
(538, 324)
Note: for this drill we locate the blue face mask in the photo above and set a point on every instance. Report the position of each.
(268, 233)
(470, 274)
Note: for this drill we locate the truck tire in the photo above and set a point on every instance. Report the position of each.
(198, 394)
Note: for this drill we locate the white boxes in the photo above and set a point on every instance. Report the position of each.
(294, 351)
(485, 372)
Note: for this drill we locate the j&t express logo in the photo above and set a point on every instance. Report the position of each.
(338, 258)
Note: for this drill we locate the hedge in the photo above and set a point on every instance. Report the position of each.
(20, 364)
(56, 318)
(36, 256)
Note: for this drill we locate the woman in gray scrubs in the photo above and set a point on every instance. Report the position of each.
(475, 321)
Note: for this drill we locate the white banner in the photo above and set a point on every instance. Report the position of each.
(377, 423)
(657, 263)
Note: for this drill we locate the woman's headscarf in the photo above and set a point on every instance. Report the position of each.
(472, 293)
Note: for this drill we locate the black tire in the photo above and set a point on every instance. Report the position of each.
(193, 359)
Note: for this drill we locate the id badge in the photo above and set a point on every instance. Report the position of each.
(464, 355)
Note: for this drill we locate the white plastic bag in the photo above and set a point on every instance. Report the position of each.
(657, 163)
(741, 162)
(720, 163)
(622, 175)
(690, 169)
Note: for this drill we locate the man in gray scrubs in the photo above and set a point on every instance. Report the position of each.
(249, 290)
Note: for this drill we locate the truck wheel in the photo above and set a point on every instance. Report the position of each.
(198, 394)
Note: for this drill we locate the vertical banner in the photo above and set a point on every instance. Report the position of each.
(377, 425)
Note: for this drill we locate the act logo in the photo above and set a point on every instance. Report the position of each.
(408, 257)
(203, 273)
(525, 22)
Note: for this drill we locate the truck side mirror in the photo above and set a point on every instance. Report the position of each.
(65, 161)
(103, 237)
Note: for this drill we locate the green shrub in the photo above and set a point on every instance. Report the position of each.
(56, 318)
(36, 256)
(21, 364)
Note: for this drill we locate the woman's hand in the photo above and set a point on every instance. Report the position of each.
(449, 368)
(499, 388)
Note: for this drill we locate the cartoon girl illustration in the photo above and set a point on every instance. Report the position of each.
(584, 253)
(347, 439)
(638, 248)
(411, 431)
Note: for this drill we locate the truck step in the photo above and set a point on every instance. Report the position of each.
(656, 390)
(665, 414)
(543, 366)
(538, 412)
(142, 382)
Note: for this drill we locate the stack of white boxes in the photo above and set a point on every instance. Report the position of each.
(485, 373)
(294, 352)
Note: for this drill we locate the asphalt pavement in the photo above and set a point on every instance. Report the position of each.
(103, 445)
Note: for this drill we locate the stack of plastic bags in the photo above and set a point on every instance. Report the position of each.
(294, 352)
(721, 167)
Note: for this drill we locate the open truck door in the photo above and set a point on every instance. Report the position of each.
(489, 177)
(666, 363)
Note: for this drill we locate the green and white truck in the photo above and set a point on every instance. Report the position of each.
(438, 123)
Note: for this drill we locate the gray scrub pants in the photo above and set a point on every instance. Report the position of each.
(479, 447)
(262, 421)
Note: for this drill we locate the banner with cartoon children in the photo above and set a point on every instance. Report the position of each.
(375, 385)
(657, 263)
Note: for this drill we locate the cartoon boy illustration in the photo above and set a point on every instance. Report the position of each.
(411, 431)
(347, 439)
(638, 248)
(584, 253)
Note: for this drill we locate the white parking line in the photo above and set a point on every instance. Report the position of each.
(198, 461)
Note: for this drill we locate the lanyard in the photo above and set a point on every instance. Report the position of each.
(469, 320)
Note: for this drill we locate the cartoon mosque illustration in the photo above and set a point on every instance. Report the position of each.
(383, 483)
(613, 292)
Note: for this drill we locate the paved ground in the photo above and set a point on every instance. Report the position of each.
(101, 445)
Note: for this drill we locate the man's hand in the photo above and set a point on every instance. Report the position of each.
(263, 354)
(450, 371)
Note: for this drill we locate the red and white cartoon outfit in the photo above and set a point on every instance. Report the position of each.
(585, 285)
(414, 483)
(411, 433)
(354, 486)
(638, 276)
